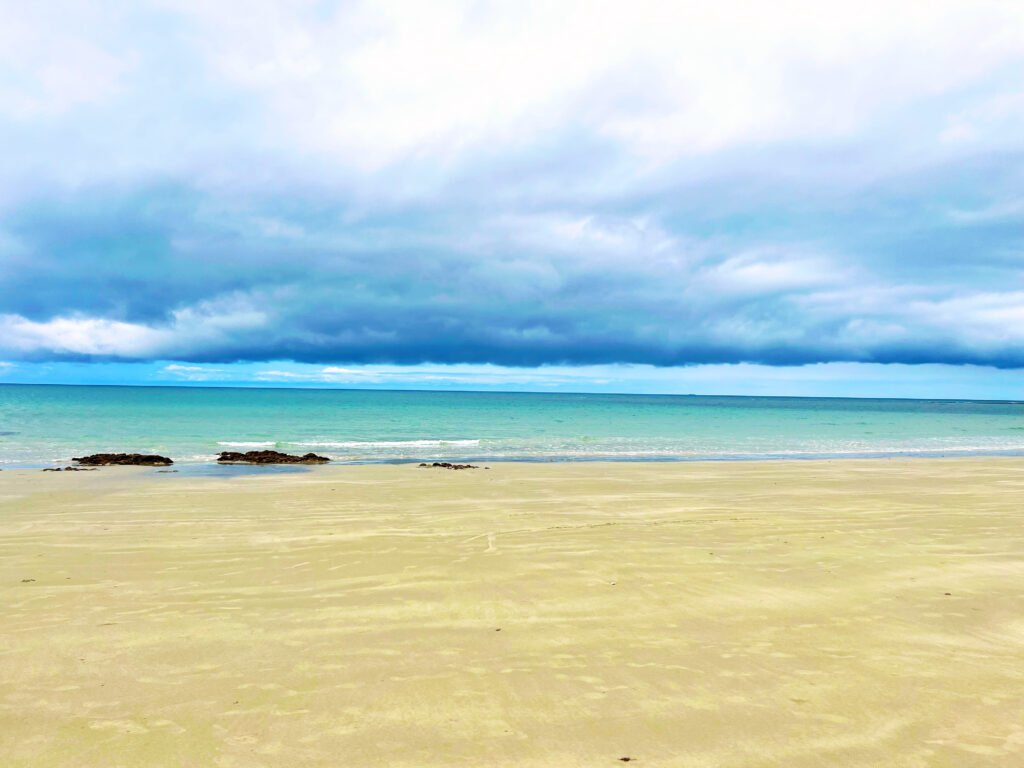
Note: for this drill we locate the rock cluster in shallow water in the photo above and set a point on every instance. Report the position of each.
(269, 457)
(449, 465)
(124, 459)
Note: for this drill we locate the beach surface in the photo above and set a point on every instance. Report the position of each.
(854, 613)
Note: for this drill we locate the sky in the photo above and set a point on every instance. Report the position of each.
(713, 197)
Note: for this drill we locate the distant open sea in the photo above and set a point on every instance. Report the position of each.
(43, 425)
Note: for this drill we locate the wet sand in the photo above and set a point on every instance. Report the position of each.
(855, 613)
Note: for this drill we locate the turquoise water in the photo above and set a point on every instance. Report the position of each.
(45, 424)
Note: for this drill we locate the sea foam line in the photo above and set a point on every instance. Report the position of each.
(382, 443)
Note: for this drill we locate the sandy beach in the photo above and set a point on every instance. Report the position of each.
(854, 613)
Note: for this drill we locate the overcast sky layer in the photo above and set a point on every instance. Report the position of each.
(661, 192)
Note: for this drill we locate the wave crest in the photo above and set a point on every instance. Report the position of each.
(382, 443)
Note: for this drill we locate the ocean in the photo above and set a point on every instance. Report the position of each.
(44, 425)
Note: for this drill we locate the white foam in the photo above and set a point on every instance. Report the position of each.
(270, 444)
(384, 443)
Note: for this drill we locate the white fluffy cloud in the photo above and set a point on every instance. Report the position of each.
(209, 323)
(79, 336)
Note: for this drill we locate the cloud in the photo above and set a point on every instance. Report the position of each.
(454, 375)
(78, 336)
(212, 323)
(530, 290)
(661, 78)
(194, 373)
(49, 69)
(470, 183)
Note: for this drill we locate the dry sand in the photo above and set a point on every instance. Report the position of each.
(855, 613)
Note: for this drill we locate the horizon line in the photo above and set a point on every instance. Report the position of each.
(185, 385)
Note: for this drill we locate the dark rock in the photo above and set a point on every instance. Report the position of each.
(449, 465)
(127, 459)
(269, 457)
(51, 469)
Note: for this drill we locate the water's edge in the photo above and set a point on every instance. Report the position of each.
(198, 467)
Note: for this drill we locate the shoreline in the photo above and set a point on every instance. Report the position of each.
(215, 470)
(628, 460)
